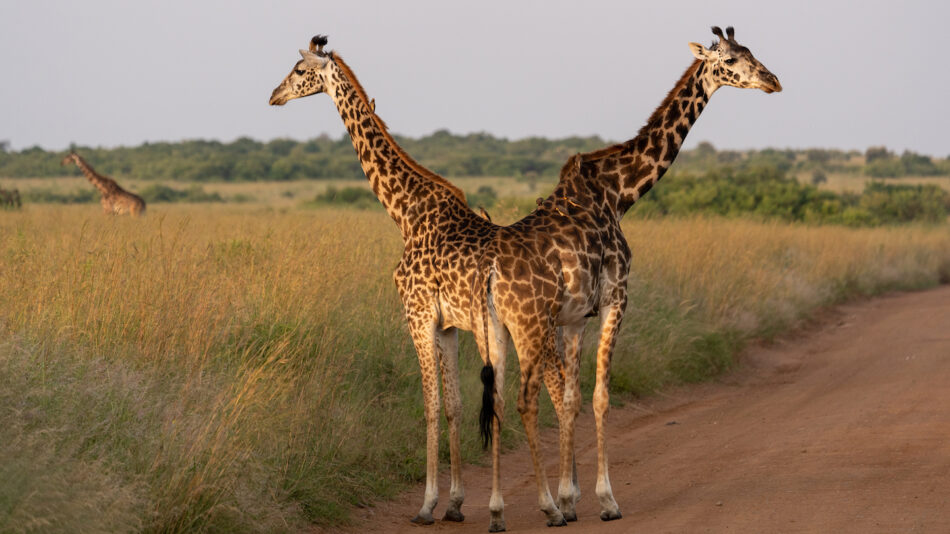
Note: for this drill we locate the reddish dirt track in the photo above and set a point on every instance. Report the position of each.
(843, 428)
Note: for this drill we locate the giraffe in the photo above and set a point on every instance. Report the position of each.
(440, 233)
(542, 277)
(115, 200)
(443, 240)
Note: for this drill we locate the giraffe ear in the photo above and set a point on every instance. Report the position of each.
(312, 60)
(699, 51)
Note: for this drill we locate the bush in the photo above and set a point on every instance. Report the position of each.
(49, 196)
(890, 204)
(357, 197)
(884, 168)
(875, 153)
(486, 197)
(918, 164)
(909, 164)
(164, 193)
(767, 194)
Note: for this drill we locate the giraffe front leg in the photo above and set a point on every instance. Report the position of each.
(423, 336)
(610, 326)
(448, 358)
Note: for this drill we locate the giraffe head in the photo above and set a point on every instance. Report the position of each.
(309, 75)
(70, 158)
(730, 63)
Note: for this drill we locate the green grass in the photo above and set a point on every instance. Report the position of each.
(246, 369)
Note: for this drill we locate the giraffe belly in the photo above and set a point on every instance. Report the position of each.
(580, 295)
(576, 308)
(454, 314)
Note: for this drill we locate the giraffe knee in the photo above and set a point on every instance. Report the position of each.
(522, 404)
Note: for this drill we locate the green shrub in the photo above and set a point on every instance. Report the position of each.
(884, 168)
(50, 196)
(357, 197)
(890, 203)
(486, 197)
(765, 193)
(164, 193)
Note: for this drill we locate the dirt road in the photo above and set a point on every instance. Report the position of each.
(845, 428)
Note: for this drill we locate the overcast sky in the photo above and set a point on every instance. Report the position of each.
(108, 73)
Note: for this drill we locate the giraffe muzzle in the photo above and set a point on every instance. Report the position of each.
(769, 83)
(277, 98)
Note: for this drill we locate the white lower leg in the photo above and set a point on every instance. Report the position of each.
(608, 506)
(496, 505)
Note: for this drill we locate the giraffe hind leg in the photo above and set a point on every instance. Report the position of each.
(448, 359)
(530, 356)
(572, 337)
(610, 325)
(492, 340)
(554, 380)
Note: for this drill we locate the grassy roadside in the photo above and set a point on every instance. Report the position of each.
(244, 369)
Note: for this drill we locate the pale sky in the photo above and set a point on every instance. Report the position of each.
(109, 73)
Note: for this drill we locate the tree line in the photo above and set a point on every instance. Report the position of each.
(246, 159)
(477, 154)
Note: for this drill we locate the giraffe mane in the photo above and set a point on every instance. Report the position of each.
(106, 182)
(405, 157)
(655, 117)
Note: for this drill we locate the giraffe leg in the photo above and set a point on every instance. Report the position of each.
(554, 380)
(532, 367)
(423, 336)
(572, 338)
(610, 325)
(493, 348)
(496, 505)
(448, 358)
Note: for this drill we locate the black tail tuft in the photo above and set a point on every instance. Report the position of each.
(488, 404)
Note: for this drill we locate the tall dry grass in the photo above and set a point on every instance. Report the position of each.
(246, 369)
(702, 287)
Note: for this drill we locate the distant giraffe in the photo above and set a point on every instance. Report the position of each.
(543, 276)
(115, 200)
(443, 240)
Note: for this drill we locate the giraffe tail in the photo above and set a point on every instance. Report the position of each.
(481, 301)
(488, 405)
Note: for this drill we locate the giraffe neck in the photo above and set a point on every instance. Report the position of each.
(101, 182)
(404, 187)
(628, 170)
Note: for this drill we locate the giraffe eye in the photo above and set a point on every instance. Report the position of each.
(299, 72)
(730, 61)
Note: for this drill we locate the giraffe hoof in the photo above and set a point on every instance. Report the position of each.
(497, 528)
(453, 514)
(423, 520)
(568, 510)
(556, 523)
(610, 515)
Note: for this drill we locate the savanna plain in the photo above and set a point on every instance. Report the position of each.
(247, 368)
